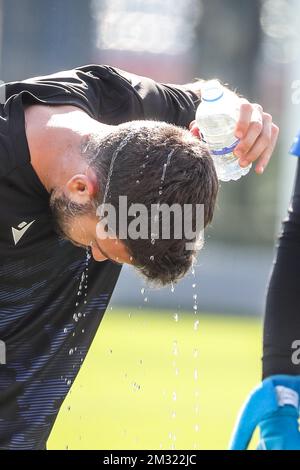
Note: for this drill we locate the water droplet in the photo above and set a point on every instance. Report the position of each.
(172, 287)
(193, 286)
(129, 315)
(173, 414)
(110, 351)
(75, 317)
(176, 317)
(136, 386)
(152, 258)
(152, 243)
(176, 371)
(195, 296)
(85, 302)
(196, 374)
(197, 427)
(196, 353)
(69, 382)
(174, 396)
(79, 314)
(82, 331)
(146, 299)
(65, 330)
(141, 361)
(196, 325)
(77, 303)
(160, 192)
(142, 290)
(137, 181)
(195, 307)
(69, 408)
(71, 351)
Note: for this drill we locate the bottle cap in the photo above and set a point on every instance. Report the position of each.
(212, 91)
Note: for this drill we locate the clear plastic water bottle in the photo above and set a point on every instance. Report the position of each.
(216, 117)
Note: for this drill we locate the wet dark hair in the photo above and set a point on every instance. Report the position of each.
(140, 150)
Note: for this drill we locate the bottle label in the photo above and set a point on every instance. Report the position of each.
(225, 150)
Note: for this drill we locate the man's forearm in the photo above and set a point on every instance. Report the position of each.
(172, 103)
(193, 89)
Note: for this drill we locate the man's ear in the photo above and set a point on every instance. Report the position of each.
(194, 129)
(81, 188)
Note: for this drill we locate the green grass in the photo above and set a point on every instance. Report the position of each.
(105, 410)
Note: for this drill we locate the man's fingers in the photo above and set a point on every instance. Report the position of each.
(255, 129)
(261, 143)
(265, 157)
(243, 123)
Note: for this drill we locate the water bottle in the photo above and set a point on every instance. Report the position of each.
(216, 117)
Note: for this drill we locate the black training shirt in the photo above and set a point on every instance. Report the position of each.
(52, 294)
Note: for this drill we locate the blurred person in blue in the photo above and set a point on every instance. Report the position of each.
(274, 405)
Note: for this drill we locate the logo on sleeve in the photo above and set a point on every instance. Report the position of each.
(20, 230)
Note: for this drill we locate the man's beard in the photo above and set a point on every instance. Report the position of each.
(64, 211)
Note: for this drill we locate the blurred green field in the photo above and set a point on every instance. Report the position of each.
(145, 386)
